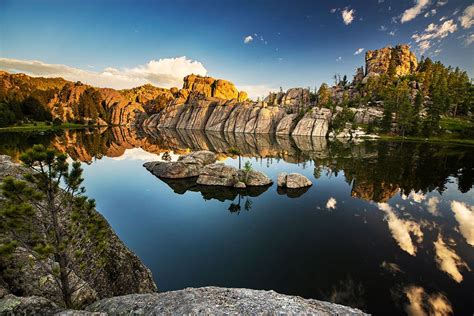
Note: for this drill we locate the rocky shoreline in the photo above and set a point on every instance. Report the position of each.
(190, 301)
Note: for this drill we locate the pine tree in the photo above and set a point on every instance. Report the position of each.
(53, 224)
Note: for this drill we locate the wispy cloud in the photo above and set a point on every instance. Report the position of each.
(401, 229)
(358, 51)
(165, 72)
(467, 17)
(465, 217)
(382, 28)
(432, 32)
(414, 11)
(448, 260)
(248, 39)
(257, 91)
(469, 39)
(348, 15)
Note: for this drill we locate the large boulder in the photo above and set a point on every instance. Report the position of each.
(187, 166)
(30, 305)
(210, 87)
(218, 301)
(254, 178)
(293, 181)
(218, 174)
(203, 157)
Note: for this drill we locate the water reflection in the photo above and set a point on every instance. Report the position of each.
(385, 223)
(208, 192)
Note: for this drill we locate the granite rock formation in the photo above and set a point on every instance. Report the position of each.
(400, 57)
(293, 181)
(201, 164)
(219, 301)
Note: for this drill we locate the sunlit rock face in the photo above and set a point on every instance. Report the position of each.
(210, 87)
(378, 62)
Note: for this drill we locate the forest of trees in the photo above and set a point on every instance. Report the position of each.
(28, 104)
(416, 103)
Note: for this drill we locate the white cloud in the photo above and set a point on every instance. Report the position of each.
(339, 58)
(467, 17)
(334, 10)
(448, 260)
(358, 51)
(415, 196)
(444, 17)
(432, 32)
(248, 39)
(348, 15)
(256, 91)
(392, 33)
(331, 204)
(165, 72)
(411, 13)
(469, 39)
(465, 217)
(432, 205)
(401, 229)
(382, 28)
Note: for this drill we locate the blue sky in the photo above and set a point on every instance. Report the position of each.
(293, 43)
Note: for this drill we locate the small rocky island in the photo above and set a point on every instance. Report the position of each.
(202, 166)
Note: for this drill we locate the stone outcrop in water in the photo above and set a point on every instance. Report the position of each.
(201, 164)
(123, 273)
(293, 181)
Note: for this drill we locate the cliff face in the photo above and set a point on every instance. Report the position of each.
(123, 272)
(70, 102)
(210, 87)
(379, 61)
(214, 114)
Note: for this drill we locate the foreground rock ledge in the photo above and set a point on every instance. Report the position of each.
(215, 300)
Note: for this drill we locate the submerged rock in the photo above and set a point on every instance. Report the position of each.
(215, 300)
(254, 178)
(293, 181)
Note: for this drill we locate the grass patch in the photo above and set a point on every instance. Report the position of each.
(43, 126)
(456, 124)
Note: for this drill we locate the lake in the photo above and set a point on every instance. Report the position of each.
(387, 227)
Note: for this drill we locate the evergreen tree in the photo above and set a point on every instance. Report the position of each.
(53, 225)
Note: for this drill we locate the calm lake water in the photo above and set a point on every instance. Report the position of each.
(387, 227)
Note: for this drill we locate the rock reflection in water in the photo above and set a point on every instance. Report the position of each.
(376, 170)
(209, 192)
